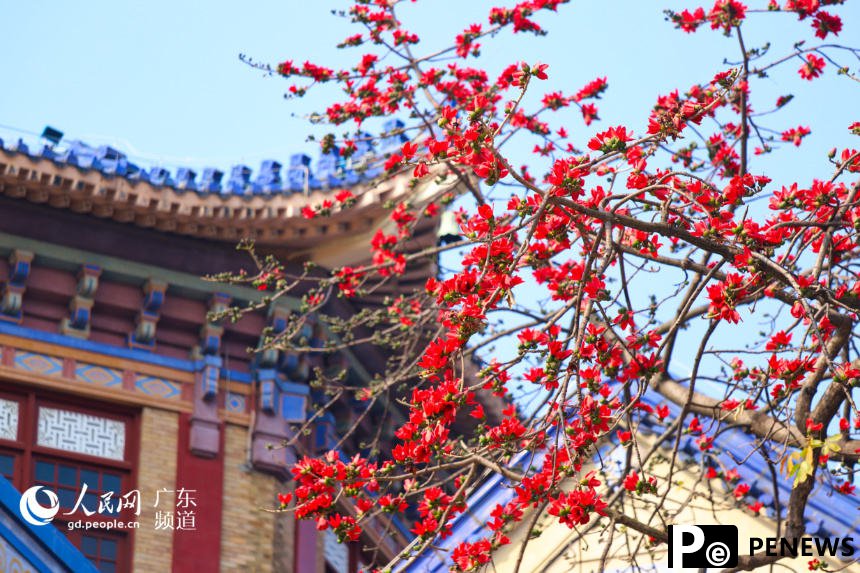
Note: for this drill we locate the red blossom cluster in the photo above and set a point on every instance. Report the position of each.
(728, 14)
(812, 68)
(577, 234)
(640, 485)
(796, 134)
(316, 481)
(343, 199)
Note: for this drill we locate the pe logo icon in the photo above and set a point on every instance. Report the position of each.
(702, 546)
(33, 511)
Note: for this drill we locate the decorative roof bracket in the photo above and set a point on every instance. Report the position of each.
(81, 305)
(147, 319)
(20, 264)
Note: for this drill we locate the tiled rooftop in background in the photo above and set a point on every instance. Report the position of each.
(299, 175)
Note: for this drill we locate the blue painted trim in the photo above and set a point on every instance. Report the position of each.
(127, 353)
(47, 535)
(293, 387)
(97, 347)
(233, 376)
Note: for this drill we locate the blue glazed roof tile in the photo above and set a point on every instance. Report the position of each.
(240, 176)
(160, 176)
(268, 178)
(329, 166)
(825, 516)
(138, 174)
(112, 161)
(47, 152)
(331, 169)
(392, 142)
(211, 180)
(185, 179)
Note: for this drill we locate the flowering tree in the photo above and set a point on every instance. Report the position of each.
(580, 276)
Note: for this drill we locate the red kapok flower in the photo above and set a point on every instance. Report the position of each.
(812, 68)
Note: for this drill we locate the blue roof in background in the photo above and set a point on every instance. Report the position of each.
(44, 547)
(826, 512)
(273, 177)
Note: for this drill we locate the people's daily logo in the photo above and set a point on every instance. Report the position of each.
(34, 511)
(175, 509)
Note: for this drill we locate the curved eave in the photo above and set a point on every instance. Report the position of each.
(270, 219)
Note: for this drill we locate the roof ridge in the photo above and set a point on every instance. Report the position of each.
(332, 170)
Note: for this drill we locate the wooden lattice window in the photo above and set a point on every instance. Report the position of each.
(64, 442)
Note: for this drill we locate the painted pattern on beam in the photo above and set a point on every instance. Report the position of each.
(98, 375)
(160, 387)
(125, 380)
(235, 403)
(38, 363)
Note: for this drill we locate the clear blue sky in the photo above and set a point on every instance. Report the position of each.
(163, 82)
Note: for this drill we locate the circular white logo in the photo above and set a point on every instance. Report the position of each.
(34, 512)
(718, 554)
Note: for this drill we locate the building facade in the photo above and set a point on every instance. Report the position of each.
(120, 393)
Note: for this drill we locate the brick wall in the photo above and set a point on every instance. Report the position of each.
(248, 532)
(252, 540)
(285, 534)
(153, 548)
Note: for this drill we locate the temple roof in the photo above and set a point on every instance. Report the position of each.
(825, 516)
(272, 178)
(26, 548)
(214, 204)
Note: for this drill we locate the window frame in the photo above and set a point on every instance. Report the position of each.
(26, 452)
